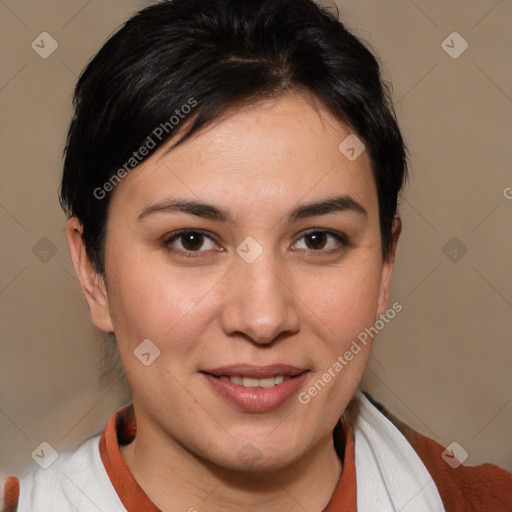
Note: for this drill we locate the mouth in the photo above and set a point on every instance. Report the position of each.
(248, 382)
(256, 388)
(251, 376)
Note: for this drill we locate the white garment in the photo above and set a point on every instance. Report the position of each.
(76, 481)
(390, 475)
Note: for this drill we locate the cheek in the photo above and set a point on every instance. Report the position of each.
(345, 301)
(343, 307)
(155, 303)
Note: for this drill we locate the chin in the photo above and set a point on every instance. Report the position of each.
(256, 456)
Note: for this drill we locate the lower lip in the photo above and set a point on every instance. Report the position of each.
(257, 399)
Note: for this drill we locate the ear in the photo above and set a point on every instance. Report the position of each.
(387, 268)
(93, 284)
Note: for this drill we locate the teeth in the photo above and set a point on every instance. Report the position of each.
(248, 382)
(269, 382)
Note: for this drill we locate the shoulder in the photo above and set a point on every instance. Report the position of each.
(11, 491)
(468, 488)
(75, 480)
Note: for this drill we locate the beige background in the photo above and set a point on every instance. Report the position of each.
(442, 365)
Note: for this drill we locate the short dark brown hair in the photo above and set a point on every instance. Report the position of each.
(220, 54)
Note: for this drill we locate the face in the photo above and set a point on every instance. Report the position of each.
(216, 252)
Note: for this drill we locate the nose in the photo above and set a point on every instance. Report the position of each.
(261, 304)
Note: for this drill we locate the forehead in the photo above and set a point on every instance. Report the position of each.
(267, 154)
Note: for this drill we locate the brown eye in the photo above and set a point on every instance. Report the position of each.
(315, 240)
(192, 241)
(189, 241)
(324, 241)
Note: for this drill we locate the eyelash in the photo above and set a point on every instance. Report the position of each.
(342, 238)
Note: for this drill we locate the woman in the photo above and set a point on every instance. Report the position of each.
(231, 178)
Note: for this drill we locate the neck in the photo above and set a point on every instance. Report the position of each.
(177, 479)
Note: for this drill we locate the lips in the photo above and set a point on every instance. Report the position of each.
(256, 388)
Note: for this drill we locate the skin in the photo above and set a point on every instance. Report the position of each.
(301, 302)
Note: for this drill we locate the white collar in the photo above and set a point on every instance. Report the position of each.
(390, 475)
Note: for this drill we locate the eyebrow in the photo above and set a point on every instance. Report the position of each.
(326, 206)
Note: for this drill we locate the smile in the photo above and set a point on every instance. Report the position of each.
(264, 389)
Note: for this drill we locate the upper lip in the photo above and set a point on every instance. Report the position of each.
(256, 372)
